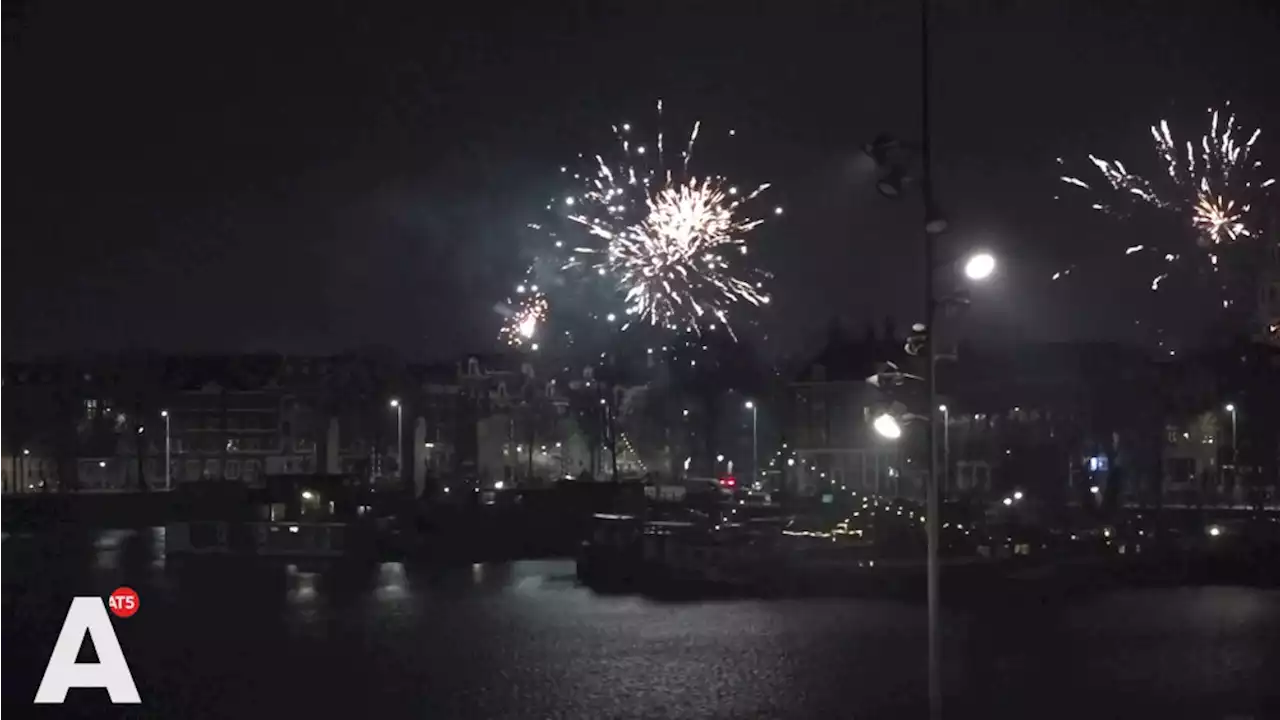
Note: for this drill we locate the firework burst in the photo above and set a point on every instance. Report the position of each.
(1212, 182)
(665, 247)
(524, 319)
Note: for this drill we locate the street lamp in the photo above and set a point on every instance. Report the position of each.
(980, 266)
(1231, 408)
(1235, 453)
(946, 444)
(165, 414)
(887, 426)
(755, 438)
(395, 403)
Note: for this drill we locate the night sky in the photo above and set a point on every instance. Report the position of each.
(314, 177)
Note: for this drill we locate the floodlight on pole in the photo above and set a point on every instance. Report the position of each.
(980, 266)
(887, 426)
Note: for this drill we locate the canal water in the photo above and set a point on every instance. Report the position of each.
(523, 640)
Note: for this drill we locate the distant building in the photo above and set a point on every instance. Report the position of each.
(830, 446)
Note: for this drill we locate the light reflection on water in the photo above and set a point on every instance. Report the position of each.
(393, 584)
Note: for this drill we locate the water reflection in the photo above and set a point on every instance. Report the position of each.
(392, 582)
(302, 586)
(107, 546)
(523, 639)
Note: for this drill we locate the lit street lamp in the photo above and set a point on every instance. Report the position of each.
(946, 445)
(887, 426)
(1235, 453)
(979, 266)
(1231, 408)
(165, 414)
(755, 437)
(395, 403)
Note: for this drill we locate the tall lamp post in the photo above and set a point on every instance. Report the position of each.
(395, 403)
(946, 445)
(167, 464)
(1235, 453)
(755, 448)
(1231, 408)
(977, 267)
(934, 226)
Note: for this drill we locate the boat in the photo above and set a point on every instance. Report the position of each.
(290, 520)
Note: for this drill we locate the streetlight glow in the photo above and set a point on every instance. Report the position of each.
(887, 427)
(395, 402)
(748, 405)
(1231, 407)
(980, 266)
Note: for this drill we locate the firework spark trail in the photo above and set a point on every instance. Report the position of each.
(1213, 182)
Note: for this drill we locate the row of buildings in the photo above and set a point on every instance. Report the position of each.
(129, 422)
(1070, 422)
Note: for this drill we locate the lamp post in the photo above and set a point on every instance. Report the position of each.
(946, 445)
(1235, 453)
(1231, 408)
(977, 267)
(755, 451)
(395, 403)
(934, 225)
(167, 465)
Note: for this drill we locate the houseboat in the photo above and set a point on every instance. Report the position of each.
(321, 519)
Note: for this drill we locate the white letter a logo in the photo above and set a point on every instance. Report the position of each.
(110, 672)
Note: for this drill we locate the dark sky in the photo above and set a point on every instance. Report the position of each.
(315, 176)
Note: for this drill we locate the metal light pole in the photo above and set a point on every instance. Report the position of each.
(755, 447)
(930, 303)
(395, 403)
(167, 464)
(1231, 408)
(1235, 452)
(946, 447)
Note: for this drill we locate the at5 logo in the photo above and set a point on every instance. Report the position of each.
(89, 615)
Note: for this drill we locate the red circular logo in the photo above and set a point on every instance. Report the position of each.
(124, 602)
